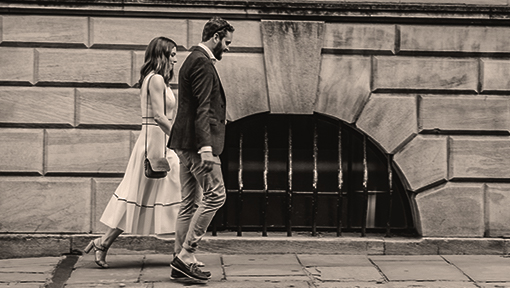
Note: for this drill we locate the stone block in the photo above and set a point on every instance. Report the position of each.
(429, 73)
(30, 245)
(470, 246)
(479, 157)
(108, 106)
(423, 161)
(461, 2)
(138, 60)
(84, 66)
(87, 151)
(464, 113)
(452, 210)
(49, 204)
(37, 105)
(103, 190)
(45, 29)
(21, 150)
(17, 65)
(497, 203)
(405, 269)
(106, 31)
(244, 84)
(483, 268)
(409, 247)
(467, 39)
(390, 120)
(364, 37)
(344, 86)
(247, 33)
(495, 75)
(292, 85)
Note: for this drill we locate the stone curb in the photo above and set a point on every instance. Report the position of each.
(30, 245)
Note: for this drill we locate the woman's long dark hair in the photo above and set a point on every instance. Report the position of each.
(157, 59)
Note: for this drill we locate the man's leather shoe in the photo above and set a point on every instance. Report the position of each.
(189, 270)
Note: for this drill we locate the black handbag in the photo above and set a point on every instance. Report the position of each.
(154, 167)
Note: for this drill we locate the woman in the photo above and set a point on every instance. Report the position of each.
(142, 205)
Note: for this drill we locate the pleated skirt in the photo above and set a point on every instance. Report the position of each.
(141, 205)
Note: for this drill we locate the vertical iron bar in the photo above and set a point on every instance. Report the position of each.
(266, 190)
(240, 192)
(390, 190)
(289, 188)
(351, 194)
(365, 189)
(340, 183)
(315, 198)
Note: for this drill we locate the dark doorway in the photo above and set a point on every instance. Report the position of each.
(308, 173)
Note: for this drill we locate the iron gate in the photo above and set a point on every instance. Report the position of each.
(308, 173)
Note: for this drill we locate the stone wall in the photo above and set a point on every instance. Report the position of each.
(435, 94)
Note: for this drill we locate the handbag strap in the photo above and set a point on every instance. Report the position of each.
(147, 113)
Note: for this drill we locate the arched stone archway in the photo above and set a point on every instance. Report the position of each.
(365, 91)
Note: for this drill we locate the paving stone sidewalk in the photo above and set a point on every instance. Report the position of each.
(265, 270)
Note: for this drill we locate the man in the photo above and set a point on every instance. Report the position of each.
(198, 136)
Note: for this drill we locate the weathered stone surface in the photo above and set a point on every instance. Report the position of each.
(87, 151)
(244, 84)
(103, 189)
(84, 66)
(390, 120)
(423, 161)
(124, 269)
(471, 246)
(482, 268)
(495, 75)
(497, 203)
(452, 210)
(363, 37)
(454, 39)
(138, 59)
(136, 31)
(247, 33)
(408, 269)
(479, 157)
(465, 113)
(17, 64)
(45, 29)
(108, 106)
(292, 85)
(30, 245)
(49, 204)
(37, 105)
(472, 2)
(21, 150)
(409, 247)
(255, 259)
(425, 73)
(344, 86)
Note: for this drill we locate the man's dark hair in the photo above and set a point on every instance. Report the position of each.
(216, 25)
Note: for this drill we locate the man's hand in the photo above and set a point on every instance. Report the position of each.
(207, 161)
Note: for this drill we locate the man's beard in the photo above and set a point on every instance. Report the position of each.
(218, 51)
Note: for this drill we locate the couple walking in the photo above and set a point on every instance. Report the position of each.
(186, 200)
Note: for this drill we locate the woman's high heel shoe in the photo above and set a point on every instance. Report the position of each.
(100, 252)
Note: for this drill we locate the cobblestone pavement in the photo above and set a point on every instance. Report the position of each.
(263, 270)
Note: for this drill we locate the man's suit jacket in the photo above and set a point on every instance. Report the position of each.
(201, 109)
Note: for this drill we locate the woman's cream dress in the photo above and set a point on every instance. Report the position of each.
(141, 205)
